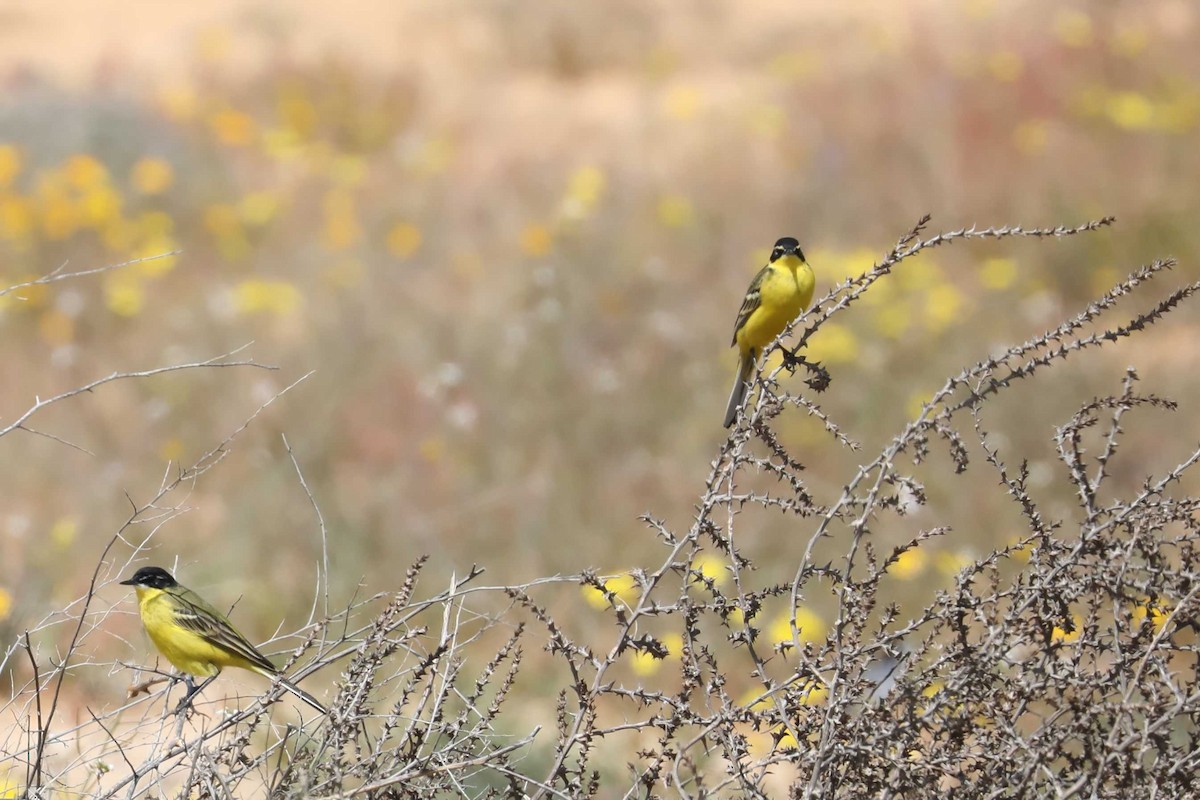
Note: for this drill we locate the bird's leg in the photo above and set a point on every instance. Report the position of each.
(192, 691)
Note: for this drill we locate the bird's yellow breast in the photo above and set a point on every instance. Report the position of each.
(786, 290)
(188, 651)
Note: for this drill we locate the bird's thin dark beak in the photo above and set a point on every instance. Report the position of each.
(130, 582)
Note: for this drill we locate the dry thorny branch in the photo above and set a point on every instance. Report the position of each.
(1062, 664)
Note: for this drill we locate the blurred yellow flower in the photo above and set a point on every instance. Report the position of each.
(172, 450)
(222, 220)
(682, 102)
(6, 603)
(156, 246)
(943, 307)
(712, 567)
(152, 175)
(10, 780)
(852, 265)
(1005, 66)
(910, 564)
(63, 532)
(59, 215)
(100, 206)
(10, 164)
(624, 586)
(833, 344)
(123, 293)
(1073, 28)
(1129, 110)
(296, 111)
(643, 663)
(811, 627)
(342, 229)
(1157, 612)
(56, 328)
(674, 644)
(259, 295)
(232, 128)
(951, 564)
(584, 191)
(998, 273)
(919, 273)
(1023, 553)
(675, 211)
(812, 693)
(85, 171)
(536, 240)
(155, 223)
(1103, 278)
(16, 218)
(1060, 634)
(282, 144)
(118, 235)
(179, 103)
(348, 170)
(258, 208)
(916, 404)
(224, 223)
(1030, 136)
(404, 240)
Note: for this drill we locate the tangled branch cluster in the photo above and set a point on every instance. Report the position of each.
(1062, 664)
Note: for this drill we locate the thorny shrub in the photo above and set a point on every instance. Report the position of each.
(1062, 664)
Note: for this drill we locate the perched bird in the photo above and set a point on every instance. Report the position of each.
(777, 295)
(197, 638)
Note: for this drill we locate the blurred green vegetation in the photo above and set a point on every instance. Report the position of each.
(514, 263)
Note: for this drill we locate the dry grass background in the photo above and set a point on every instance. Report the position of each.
(509, 240)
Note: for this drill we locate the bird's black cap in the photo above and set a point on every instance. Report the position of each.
(154, 577)
(784, 246)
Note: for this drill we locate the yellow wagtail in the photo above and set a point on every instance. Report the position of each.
(197, 638)
(777, 295)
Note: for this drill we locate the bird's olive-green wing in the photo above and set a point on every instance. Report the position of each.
(192, 613)
(752, 300)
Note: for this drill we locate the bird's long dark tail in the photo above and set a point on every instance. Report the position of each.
(294, 689)
(303, 695)
(740, 382)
